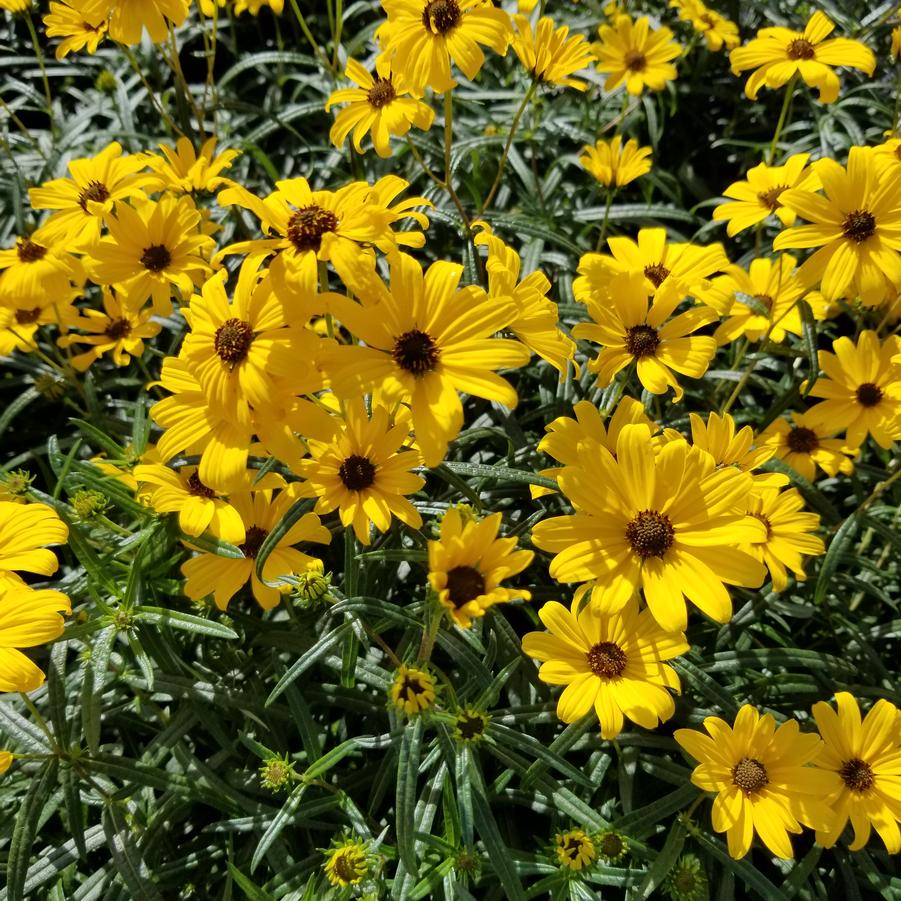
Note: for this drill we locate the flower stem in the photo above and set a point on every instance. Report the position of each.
(310, 39)
(603, 232)
(783, 116)
(448, 142)
(40, 58)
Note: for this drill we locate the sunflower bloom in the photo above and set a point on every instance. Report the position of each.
(412, 691)
(862, 390)
(760, 778)
(614, 164)
(66, 21)
(574, 849)
(18, 327)
(862, 761)
(777, 54)
(634, 54)
(640, 522)
(609, 662)
(422, 37)
(757, 197)
(379, 104)
(805, 445)
(630, 329)
(549, 54)
(468, 562)
(27, 618)
(127, 20)
(25, 532)
(182, 170)
(38, 270)
(425, 341)
(717, 30)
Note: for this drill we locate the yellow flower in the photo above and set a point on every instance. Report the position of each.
(223, 577)
(549, 55)
(668, 523)
(65, 20)
(15, 6)
(151, 249)
(347, 863)
(630, 329)
(27, 618)
(615, 165)
(862, 762)
(637, 55)
(895, 49)
(361, 470)
(118, 330)
(182, 170)
(426, 340)
(758, 196)
(777, 54)
(19, 327)
(787, 533)
(25, 530)
(718, 31)
(37, 271)
(379, 104)
(6, 760)
(574, 849)
(760, 777)
(127, 21)
(468, 562)
(807, 444)
(254, 6)
(857, 227)
(862, 387)
(609, 662)
(413, 690)
(422, 37)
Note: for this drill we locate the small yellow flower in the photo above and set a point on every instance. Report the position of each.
(615, 164)
(413, 690)
(634, 54)
(807, 444)
(718, 31)
(549, 54)
(470, 725)
(6, 760)
(895, 51)
(347, 863)
(574, 849)
(65, 20)
(182, 169)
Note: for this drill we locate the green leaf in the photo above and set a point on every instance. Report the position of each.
(283, 818)
(251, 890)
(407, 776)
(319, 649)
(663, 863)
(836, 550)
(187, 622)
(130, 865)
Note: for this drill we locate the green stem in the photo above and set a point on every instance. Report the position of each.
(181, 81)
(429, 634)
(40, 58)
(783, 115)
(41, 722)
(132, 59)
(603, 232)
(336, 36)
(448, 142)
(310, 39)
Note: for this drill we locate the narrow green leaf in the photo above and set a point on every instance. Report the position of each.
(283, 818)
(250, 889)
(320, 649)
(841, 541)
(187, 622)
(407, 778)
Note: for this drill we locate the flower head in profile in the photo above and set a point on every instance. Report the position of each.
(861, 762)
(347, 863)
(183, 170)
(549, 54)
(717, 30)
(634, 54)
(66, 21)
(128, 21)
(611, 663)
(422, 37)
(777, 54)
(412, 690)
(25, 532)
(807, 445)
(760, 777)
(468, 562)
(757, 196)
(574, 849)
(615, 164)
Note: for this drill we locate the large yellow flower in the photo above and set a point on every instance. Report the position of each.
(37, 271)
(422, 37)
(862, 763)
(66, 21)
(806, 444)
(637, 55)
(19, 327)
(609, 662)
(129, 18)
(27, 618)
(468, 562)
(615, 164)
(25, 532)
(760, 778)
(668, 523)
(380, 105)
(426, 340)
(777, 54)
(549, 54)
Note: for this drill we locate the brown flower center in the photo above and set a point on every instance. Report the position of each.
(415, 352)
(708, 20)
(198, 489)
(765, 301)
(635, 61)
(802, 440)
(381, 93)
(253, 541)
(749, 774)
(770, 199)
(357, 472)
(118, 329)
(868, 394)
(470, 726)
(607, 660)
(347, 868)
(859, 225)
(464, 584)
(27, 317)
(651, 534)
(767, 524)
(30, 251)
(307, 226)
(156, 257)
(642, 340)
(440, 16)
(96, 191)
(656, 273)
(858, 775)
(232, 340)
(800, 48)
(411, 687)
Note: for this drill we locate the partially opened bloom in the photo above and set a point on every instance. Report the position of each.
(549, 54)
(861, 762)
(468, 562)
(128, 19)
(760, 777)
(27, 618)
(413, 690)
(614, 164)
(574, 849)
(66, 21)
(717, 30)
(380, 104)
(806, 444)
(634, 54)
(181, 169)
(25, 532)
(611, 663)
(777, 54)
(422, 37)
(347, 863)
